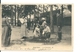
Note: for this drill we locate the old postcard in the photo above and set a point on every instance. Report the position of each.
(36, 26)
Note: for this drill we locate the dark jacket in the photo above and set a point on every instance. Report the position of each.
(60, 20)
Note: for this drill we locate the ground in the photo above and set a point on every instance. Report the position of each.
(16, 38)
(66, 34)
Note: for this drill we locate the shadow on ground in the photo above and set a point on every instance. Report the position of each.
(51, 41)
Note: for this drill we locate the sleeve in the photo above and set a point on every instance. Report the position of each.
(22, 20)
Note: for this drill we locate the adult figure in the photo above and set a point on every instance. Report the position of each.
(59, 25)
(6, 31)
(28, 23)
(23, 28)
(34, 23)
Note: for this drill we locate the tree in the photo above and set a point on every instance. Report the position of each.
(69, 7)
(51, 19)
(6, 10)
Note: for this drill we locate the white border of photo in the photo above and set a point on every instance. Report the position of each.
(76, 17)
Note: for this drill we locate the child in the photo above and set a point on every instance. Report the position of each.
(37, 31)
(46, 32)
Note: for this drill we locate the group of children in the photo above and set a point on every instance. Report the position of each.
(42, 31)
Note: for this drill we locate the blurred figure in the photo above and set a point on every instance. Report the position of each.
(37, 31)
(34, 23)
(46, 32)
(42, 25)
(19, 23)
(6, 32)
(28, 23)
(24, 30)
(59, 25)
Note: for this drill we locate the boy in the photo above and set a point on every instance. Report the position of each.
(46, 32)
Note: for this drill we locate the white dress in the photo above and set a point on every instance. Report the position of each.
(23, 28)
(36, 32)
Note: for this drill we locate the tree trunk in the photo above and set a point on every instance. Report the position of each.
(51, 19)
(11, 15)
(43, 8)
(34, 13)
(15, 15)
(62, 14)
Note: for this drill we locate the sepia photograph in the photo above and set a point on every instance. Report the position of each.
(36, 27)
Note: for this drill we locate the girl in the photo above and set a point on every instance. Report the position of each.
(24, 30)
